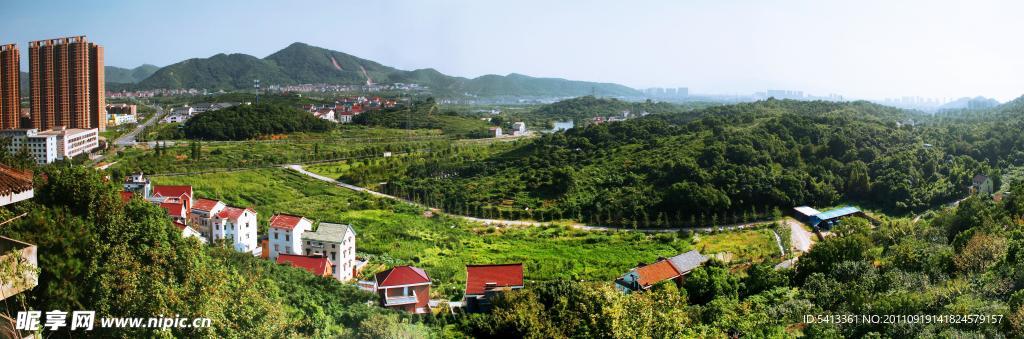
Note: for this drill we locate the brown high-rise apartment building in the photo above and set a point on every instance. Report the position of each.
(66, 83)
(10, 83)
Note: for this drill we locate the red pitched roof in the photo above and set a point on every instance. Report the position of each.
(126, 196)
(656, 272)
(314, 264)
(402, 275)
(480, 277)
(172, 191)
(13, 181)
(232, 212)
(205, 204)
(172, 208)
(285, 221)
(180, 226)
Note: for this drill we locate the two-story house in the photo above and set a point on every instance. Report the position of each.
(285, 234)
(203, 213)
(238, 226)
(404, 288)
(337, 242)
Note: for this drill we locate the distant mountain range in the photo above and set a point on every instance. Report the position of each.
(970, 103)
(300, 63)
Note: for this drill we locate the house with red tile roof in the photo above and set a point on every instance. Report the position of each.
(337, 242)
(404, 288)
(15, 185)
(285, 234)
(126, 196)
(665, 269)
(176, 211)
(484, 281)
(203, 213)
(237, 226)
(319, 266)
(163, 194)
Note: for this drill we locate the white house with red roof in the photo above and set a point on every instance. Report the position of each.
(404, 288)
(238, 226)
(203, 213)
(345, 117)
(176, 211)
(319, 266)
(285, 234)
(484, 281)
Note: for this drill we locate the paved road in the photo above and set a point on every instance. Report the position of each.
(799, 237)
(128, 139)
(501, 222)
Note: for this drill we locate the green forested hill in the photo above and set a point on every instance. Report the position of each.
(128, 76)
(724, 163)
(300, 63)
(251, 121)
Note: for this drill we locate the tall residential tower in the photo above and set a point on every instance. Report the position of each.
(66, 83)
(10, 83)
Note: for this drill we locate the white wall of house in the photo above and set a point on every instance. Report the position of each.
(287, 241)
(203, 220)
(342, 253)
(241, 231)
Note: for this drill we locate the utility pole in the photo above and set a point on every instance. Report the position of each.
(256, 84)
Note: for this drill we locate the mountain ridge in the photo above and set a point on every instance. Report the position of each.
(300, 63)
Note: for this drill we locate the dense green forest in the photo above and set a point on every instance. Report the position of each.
(425, 114)
(251, 121)
(717, 165)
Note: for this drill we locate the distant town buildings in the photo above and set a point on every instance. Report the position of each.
(72, 142)
(183, 113)
(120, 114)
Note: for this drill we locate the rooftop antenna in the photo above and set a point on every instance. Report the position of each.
(256, 84)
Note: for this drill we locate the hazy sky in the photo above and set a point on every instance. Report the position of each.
(862, 49)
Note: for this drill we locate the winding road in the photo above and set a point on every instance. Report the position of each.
(501, 222)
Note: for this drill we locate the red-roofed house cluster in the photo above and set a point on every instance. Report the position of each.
(345, 109)
(407, 288)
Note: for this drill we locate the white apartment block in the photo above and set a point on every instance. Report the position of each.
(285, 234)
(42, 147)
(338, 243)
(74, 141)
(237, 225)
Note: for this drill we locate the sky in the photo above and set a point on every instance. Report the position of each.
(865, 49)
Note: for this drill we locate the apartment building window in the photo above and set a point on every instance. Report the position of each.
(277, 248)
(275, 235)
(287, 237)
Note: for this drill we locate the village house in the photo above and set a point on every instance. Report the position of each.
(325, 114)
(203, 213)
(317, 265)
(336, 242)
(519, 128)
(495, 132)
(187, 231)
(181, 195)
(238, 226)
(671, 269)
(285, 234)
(483, 282)
(15, 185)
(404, 288)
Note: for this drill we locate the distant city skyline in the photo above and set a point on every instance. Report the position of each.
(860, 50)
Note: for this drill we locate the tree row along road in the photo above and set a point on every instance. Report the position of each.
(502, 222)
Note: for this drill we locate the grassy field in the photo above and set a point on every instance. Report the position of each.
(391, 233)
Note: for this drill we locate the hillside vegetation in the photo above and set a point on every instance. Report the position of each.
(250, 121)
(425, 114)
(720, 164)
